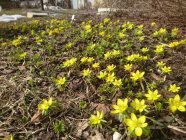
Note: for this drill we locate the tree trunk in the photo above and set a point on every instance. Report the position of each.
(42, 6)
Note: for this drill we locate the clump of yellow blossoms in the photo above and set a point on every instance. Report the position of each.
(174, 44)
(87, 59)
(70, 62)
(45, 105)
(176, 104)
(135, 124)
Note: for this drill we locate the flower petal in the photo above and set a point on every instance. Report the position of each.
(181, 108)
(133, 117)
(142, 119)
(138, 131)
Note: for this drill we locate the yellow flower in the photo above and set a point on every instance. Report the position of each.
(115, 53)
(110, 78)
(173, 88)
(138, 105)
(160, 64)
(96, 65)
(96, 120)
(86, 72)
(84, 59)
(102, 74)
(159, 49)
(22, 55)
(166, 69)
(174, 32)
(102, 33)
(120, 107)
(128, 67)
(117, 83)
(136, 124)
(111, 67)
(137, 75)
(174, 44)
(145, 49)
(152, 95)
(176, 104)
(141, 38)
(45, 105)
(90, 59)
(69, 63)
(162, 31)
(121, 35)
(87, 27)
(106, 20)
(107, 55)
(60, 81)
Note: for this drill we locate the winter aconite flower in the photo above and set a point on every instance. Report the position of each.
(152, 95)
(176, 104)
(102, 74)
(145, 49)
(86, 73)
(96, 65)
(135, 124)
(174, 32)
(128, 67)
(45, 105)
(159, 49)
(137, 75)
(120, 107)
(138, 105)
(96, 120)
(160, 64)
(110, 78)
(111, 67)
(166, 69)
(70, 62)
(174, 44)
(173, 88)
(60, 81)
(117, 82)
(23, 55)
(107, 55)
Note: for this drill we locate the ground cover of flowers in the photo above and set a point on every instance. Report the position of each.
(63, 80)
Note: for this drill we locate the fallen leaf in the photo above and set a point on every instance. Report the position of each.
(102, 108)
(21, 68)
(156, 77)
(7, 71)
(97, 136)
(80, 127)
(36, 117)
